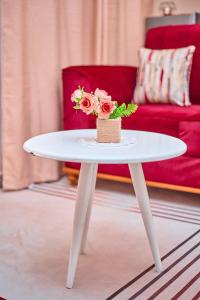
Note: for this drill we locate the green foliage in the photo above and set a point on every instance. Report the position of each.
(94, 113)
(123, 111)
(76, 106)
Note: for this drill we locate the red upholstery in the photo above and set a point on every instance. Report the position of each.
(118, 81)
(182, 171)
(182, 122)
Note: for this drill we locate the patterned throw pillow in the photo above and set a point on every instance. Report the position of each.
(163, 76)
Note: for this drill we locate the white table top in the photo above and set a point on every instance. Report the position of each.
(81, 146)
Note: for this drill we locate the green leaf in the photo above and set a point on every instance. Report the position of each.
(131, 108)
(76, 107)
(117, 113)
(123, 111)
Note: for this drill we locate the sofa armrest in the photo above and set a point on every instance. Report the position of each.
(118, 81)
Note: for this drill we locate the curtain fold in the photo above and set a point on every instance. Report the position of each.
(30, 95)
(39, 38)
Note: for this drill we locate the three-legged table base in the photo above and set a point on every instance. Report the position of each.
(86, 188)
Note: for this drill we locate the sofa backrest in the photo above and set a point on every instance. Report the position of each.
(177, 36)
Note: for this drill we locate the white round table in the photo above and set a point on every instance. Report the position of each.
(80, 146)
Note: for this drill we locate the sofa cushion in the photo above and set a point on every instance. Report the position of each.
(118, 81)
(163, 76)
(189, 132)
(160, 124)
(177, 36)
(191, 113)
(181, 122)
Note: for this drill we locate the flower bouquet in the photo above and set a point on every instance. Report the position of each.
(107, 111)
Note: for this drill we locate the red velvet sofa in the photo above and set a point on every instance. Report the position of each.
(182, 173)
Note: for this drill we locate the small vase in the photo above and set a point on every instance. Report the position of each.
(108, 131)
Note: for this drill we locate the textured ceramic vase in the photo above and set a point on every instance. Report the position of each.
(108, 131)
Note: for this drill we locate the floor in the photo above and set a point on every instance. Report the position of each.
(35, 234)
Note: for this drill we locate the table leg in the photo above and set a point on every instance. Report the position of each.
(143, 200)
(87, 220)
(86, 185)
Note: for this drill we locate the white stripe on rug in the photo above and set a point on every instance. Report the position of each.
(167, 210)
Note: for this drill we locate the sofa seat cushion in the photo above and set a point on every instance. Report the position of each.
(180, 122)
(160, 124)
(170, 111)
(189, 132)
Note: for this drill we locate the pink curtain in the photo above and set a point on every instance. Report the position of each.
(38, 39)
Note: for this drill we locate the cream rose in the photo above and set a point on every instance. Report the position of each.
(101, 94)
(77, 94)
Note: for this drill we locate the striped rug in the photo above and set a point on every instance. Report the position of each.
(163, 209)
(179, 280)
(181, 276)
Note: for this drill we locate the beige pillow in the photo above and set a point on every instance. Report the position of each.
(163, 76)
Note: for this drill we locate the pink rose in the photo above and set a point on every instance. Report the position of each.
(106, 108)
(77, 94)
(101, 94)
(88, 103)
